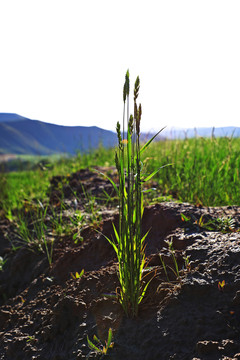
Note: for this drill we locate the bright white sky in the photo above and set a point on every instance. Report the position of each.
(64, 61)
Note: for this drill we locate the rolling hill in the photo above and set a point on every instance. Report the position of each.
(9, 117)
(19, 135)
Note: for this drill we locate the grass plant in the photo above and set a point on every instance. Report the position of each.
(49, 249)
(30, 222)
(175, 270)
(77, 275)
(129, 243)
(222, 224)
(178, 273)
(97, 345)
(204, 171)
(91, 206)
(32, 229)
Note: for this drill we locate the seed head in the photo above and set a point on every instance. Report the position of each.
(126, 87)
(135, 111)
(140, 112)
(136, 88)
(139, 115)
(117, 162)
(118, 129)
(130, 124)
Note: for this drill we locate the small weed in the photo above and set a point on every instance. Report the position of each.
(32, 229)
(164, 267)
(223, 224)
(221, 285)
(31, 339)
(98, 347)
(49, 249)
(77, 275)
(175, 269)
(2, 262)
(187, 263)
(172, 252)
(57, 219)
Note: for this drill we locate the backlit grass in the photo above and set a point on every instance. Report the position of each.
(203, 171)
(129, 240)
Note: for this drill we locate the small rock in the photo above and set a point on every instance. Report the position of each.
(229, 346)
(4, 317)
(207, 347)
(236, 299)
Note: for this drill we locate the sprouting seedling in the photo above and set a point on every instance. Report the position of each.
(164, 267)
(224, 225)
(200, 222)
(175, 268)
(31, 339)
(221, 285)
(77, 275)
(99, 347)
(172, 252)
(187, 263)
(185, 218)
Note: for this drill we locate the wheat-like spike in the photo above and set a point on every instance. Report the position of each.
(135, 110)
(136, 88)
(118, 130)
(126, 87)
(138, 120)
(130, 124)
(117, 162)
(127, 81)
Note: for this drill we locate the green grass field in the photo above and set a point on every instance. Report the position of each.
(202, 171)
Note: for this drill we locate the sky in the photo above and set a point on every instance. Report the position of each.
(64, 61)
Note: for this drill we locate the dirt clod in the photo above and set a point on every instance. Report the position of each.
(189, 312)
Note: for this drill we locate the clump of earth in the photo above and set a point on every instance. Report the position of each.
(190, 311)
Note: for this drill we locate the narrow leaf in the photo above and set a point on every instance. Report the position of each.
(92, 346)
(184, 217)
(149, 141)
(110, 241)
(96, 339)
(154, 172)
(144, 291)
(111, 181)
(109, 337)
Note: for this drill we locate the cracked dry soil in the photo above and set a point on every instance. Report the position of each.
(45, 314)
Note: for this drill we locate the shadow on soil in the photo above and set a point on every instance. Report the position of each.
(46, 314)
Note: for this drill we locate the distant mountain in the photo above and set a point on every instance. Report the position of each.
(24, 136)
(182, 133)
(8, 117)
(20, 135)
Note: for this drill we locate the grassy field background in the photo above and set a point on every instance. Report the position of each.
(202, 171)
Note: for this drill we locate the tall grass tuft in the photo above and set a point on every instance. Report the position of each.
(129, 243)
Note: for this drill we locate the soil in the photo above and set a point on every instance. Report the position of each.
(46, 314)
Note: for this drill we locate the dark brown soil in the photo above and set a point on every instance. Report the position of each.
(45, 314)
